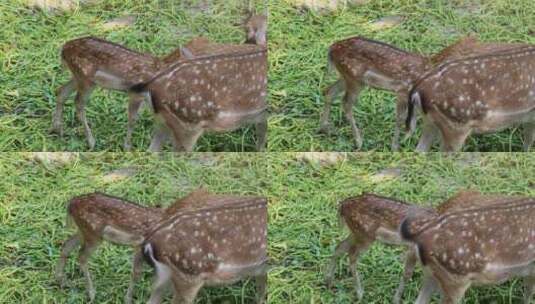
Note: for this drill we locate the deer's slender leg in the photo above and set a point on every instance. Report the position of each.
(185, 139)
(453, 140)
(342, 248)
(261, 288)
(70, 244)
(185, 292)
(63, 93)
(529, 135)
(401, 113)
(350, 98)
(428, 287)
(529, 288)
(88, 247)
(137, 264)
(261, 127)
(354, 252)
(160, 135)
(330, 93)
(429, 133)
(136, 100)
(161, 282)
(410, 263)
(82, 96)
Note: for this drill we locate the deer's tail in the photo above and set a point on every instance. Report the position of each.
(416, 99)
(412, 237)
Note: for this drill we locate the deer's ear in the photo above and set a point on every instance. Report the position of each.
(186, 53)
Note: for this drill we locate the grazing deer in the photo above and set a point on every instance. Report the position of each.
(210, 93)
(364, 62)
(210, 246)
(481, 245)
(99, 216)
(371, 218)
(97, 62)
(479, 94)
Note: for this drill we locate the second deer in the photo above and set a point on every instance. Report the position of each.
(480, 245)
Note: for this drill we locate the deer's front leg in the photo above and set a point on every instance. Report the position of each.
(350, 99)
(84, 91)
(330, 93)
(529, 135)
(69, 245)
(261, 128)
(88, 247)
(63, 93)
(342, 248)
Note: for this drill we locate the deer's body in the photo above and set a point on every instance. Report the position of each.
(363, 62)
(213, 246)
(479, 94)
(211, 93)
(482, 245)
(101, 217)
(371, 218)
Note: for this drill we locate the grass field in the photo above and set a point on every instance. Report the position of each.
(299, 42)
(303, 227)
(30, 70)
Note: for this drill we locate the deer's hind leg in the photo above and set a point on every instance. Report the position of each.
(186, 292)
(330, 93)
(401, 114)
(344, 247)
(134, 103)
(453, 139)
(261, 288)
(70, 244)
(63, 93)
(82, 97)
(137, 264)
(410, 262)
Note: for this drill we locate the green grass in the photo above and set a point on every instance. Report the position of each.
(298, 54)
(30, 70)
(303, 228)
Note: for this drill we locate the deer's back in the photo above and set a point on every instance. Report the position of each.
(225, 87)
(481, 88)
(96, 210)
(89, 55)
(356, 55)
(468, 241)
(210, 240)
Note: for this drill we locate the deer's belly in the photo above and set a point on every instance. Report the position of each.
(230, 273)
(497, 120)
(495, 273)
(380, 81)
(230, 120)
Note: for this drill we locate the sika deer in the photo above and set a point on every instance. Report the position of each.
(479, 94)
(373, 218)
(103, 217)
(100, 217)
(211, 246)
(482, 245)
(364, 62)
(211, 93)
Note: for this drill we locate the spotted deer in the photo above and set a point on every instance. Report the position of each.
(480, 245)
(210, 246)
(363, 62)
(96, 62)
(371, 218)
(99, 216)
(490, 92)
(218, 93)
